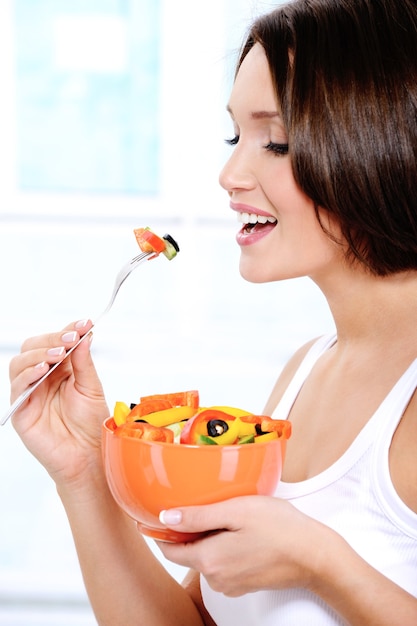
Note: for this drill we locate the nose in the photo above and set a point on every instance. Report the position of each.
(236, 173)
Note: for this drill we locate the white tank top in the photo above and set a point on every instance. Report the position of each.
(355, 497)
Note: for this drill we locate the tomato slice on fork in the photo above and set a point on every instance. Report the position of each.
(148, 241)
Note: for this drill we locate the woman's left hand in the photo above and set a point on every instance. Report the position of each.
(265, 543)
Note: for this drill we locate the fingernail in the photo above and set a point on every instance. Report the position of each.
(56, 351)
(81, 324)
(40, 366)
(170, 517)
(71, 336)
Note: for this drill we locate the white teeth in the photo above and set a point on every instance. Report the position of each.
(252, 218)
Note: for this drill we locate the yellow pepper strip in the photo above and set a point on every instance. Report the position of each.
(247, 428)
(230, 410)
(169, 416)
(121, 410)
(266, 437)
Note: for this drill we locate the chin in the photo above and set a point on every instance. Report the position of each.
(254, 275)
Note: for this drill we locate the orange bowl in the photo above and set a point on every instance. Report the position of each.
(146, 477)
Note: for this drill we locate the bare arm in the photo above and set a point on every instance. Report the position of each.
(192, 585)
(362, 595)
(61, 426)
(126, 584)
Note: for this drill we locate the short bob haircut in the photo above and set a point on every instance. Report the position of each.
(345, 74)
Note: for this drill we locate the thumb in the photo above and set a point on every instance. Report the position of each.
(204, 518)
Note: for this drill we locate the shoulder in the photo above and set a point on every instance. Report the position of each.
(286, 376)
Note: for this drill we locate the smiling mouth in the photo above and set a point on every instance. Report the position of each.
(251, 221)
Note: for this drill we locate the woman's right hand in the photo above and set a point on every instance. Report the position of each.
(61, 421)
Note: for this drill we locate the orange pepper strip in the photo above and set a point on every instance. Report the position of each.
(180, 398)
(147, 407)
(281, 427)
(141, 430)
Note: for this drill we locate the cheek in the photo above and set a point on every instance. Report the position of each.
(278, 184)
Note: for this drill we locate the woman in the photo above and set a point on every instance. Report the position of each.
(323, 176)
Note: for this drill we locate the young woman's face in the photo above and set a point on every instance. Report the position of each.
(280, 236)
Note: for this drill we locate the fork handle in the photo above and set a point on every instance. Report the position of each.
(28, 392)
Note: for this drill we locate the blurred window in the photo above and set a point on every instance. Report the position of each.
(87, 94)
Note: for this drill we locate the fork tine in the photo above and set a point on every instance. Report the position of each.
(121, 277)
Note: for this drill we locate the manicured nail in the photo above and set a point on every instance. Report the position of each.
(68, 337)
(56, 351)
(81, 324)
(40, 366)
(170, 517)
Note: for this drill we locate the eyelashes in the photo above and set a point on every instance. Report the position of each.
(280, 149)
(232, 141)
(277, 148)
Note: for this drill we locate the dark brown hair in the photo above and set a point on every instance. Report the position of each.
(345, 73)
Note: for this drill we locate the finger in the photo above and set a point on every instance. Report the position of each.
(68, 336)
(47, 349)
(206, 518)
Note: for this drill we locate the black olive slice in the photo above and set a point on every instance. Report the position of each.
(215, 428)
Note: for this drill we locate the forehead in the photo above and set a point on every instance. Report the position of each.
(253, 88)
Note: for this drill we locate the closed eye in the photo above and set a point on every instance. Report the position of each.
(232, 141)
(280, 149)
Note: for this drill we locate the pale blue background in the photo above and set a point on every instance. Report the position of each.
(87, 107)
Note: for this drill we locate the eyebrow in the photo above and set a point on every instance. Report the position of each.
(258, 115)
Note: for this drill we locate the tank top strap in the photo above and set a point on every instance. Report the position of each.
(320, 346)
(391, 412)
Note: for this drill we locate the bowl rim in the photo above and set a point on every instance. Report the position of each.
(189, 446)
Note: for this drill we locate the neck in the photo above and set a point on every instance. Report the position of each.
(371, 308)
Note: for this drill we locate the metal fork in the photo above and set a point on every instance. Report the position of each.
(120, 279)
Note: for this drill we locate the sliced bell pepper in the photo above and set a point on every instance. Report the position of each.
(147, 407)
(265, 424)
(169, 416)
(121, 411)
(180, 398)
(281, 427)
(231, 435)
(231, 410)
(266, 437)
(142, 430)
